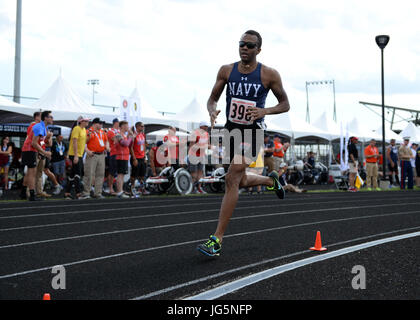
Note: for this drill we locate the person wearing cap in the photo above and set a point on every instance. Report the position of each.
(392, 159)
(197, 155)
(76, 150)
(268, 153)
(112, 155)
(353, 162)
(405, 155)
(137, 160)
(372, 156)
(279, 151)
(94, 168)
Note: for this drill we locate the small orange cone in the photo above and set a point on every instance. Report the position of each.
(46, 296)
(318, 246)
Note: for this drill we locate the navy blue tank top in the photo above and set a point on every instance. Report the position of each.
(244, 90)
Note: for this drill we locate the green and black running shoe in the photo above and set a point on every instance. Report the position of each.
(211, 248)
(278, 184)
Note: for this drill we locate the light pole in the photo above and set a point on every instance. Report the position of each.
(93, 82)
(16, 89)
(382, 41)
(323, 82)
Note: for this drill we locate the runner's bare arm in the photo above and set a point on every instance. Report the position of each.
(219, 86)
(276, 87)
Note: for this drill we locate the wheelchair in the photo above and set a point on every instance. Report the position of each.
(171, 181)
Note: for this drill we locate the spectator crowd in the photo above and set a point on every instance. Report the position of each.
(96, 160)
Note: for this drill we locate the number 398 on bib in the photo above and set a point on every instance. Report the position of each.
(237, 111)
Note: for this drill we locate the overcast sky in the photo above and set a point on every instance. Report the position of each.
(172, 49)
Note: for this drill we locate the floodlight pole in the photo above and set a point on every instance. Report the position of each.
(382, 41)
(16, 89)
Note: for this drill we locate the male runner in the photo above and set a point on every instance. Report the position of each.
(248, 85)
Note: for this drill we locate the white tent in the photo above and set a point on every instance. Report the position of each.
(293, 126)
(194, 113)
(363, 133)
(389, 134)
(10, 106)
(411, 131)
(146, 110)
(64, 102)
(327, 124)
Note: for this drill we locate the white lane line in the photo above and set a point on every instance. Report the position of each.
(173, 214)
(64, 204)
(194, 241)
(90, 235)
(260, 263)
(266, 274)
(140, 205)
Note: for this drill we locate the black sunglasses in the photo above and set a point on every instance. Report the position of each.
(249, 45)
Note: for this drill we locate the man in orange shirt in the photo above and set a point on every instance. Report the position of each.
(96, 147)
(279, 151)
(372, 157)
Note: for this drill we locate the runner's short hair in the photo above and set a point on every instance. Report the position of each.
(255, 33)
(123, 123)
(45, 114)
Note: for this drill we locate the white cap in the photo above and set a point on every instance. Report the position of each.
(82, 118)
(204, 124)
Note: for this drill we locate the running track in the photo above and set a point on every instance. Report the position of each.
(146, 248)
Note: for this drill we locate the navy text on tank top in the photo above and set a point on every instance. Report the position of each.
(244, 90)
(394, 153)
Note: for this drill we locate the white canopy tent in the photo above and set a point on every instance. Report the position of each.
(64, 102)
(293, 126)
(332, 128)
(364, 134)
(411, 131)
(10, 106)
(389, 134)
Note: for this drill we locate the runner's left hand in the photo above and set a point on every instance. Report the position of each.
(255, 113)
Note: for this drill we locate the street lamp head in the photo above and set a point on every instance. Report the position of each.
(382, 41)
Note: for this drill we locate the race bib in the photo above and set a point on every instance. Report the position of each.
(238, 109)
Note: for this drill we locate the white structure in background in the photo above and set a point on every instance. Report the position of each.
(328, 125)
(10, 106)
(389, 134)
(194, 113)
(411, 131)
(364, 134)
(64, 102)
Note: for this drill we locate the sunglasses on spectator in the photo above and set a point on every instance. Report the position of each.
(249, 45)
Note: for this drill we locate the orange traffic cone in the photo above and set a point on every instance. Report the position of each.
(318, 246)
(46, 296)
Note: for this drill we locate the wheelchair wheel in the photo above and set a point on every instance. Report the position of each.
(182, 183)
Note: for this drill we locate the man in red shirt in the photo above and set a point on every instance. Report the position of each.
(171, 142)
(32, 148)
(138, 163)
(372, 157)
(197, 155)
(156, 165)
(111, 159)
(29, 159)
(123, 141)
